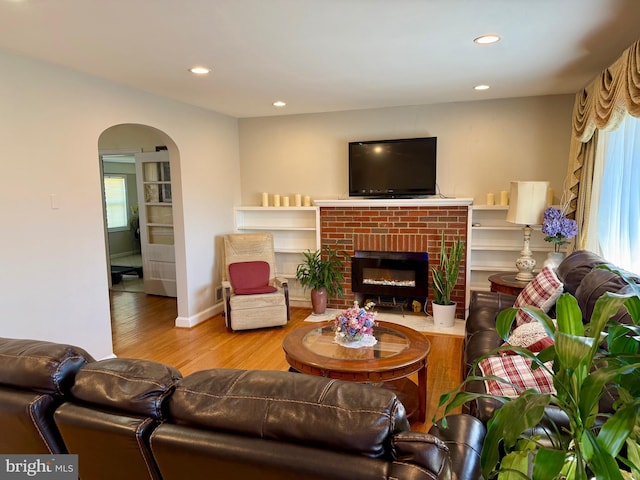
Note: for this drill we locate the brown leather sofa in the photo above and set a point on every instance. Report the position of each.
(136, 419)
(580, 279)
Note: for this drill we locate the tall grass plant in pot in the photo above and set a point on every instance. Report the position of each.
(444, 280)
(321, 272)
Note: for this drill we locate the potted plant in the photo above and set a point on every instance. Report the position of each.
(444, 279)
(323, 275)
(589, 360)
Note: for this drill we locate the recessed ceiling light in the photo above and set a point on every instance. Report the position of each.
(487, 39)
(481, 87)
(200, 70)
(279, 104)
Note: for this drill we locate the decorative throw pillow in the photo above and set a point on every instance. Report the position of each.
(541, 292)
(250, 278)
(531, 336)
(517, 371)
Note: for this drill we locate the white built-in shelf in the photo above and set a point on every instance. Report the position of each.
(493, 245)
(295, 230)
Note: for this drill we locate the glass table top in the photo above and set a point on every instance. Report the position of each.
(390, 342)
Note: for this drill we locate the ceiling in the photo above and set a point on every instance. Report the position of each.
(325, 55)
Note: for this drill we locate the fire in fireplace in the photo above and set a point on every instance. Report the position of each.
(398, 279)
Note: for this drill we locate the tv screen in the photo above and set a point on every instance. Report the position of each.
(393, 168)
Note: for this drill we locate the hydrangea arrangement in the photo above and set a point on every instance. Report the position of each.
(558, 228)
(354, 323)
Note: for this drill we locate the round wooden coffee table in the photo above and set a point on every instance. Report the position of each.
(400, 352)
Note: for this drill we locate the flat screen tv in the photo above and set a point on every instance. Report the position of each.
(393, 168)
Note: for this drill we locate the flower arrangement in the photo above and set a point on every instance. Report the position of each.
(558, 228)
(354, 323)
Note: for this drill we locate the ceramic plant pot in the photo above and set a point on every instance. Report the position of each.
(444, 315)
(319, 300)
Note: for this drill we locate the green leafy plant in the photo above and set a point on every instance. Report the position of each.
(589, 360)
(445, 276)
(322, 269)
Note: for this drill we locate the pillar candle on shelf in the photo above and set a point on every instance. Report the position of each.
(307, 201)
(298, 200)
(549, 197)
(265, 199)
(285, 201)
(491, 199)
(276, 200)
(504, 198)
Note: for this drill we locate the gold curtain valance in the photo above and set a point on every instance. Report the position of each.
(604, 102)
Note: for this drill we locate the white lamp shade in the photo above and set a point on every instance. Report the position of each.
(528, 202)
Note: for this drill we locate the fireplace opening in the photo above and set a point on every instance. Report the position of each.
(390, 279)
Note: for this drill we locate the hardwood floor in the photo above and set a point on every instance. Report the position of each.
(143, 327)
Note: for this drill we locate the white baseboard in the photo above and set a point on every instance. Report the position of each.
(192, 321)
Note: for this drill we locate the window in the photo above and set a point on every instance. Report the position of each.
(618, 223)
(115, 193)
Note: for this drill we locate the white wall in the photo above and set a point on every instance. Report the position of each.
(482, 146)
(54, 279)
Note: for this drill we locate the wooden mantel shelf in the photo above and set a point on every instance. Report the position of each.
(396, 202)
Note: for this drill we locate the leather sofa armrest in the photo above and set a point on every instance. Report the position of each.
(463, 436)
(422, 449)
(496, 300)
(484, 308)
(40, 366)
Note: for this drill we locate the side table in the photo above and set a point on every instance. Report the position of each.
(507, 283)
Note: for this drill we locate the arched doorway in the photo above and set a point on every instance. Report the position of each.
(129, 141)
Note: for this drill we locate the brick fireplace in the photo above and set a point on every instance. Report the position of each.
(394, 226)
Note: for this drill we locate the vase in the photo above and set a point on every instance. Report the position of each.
(444, 315)
(319, 300)
(554, 259)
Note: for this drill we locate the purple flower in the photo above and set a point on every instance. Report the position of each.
(557, 227)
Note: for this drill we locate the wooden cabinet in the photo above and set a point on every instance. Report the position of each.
(295, 230)
(494, 245)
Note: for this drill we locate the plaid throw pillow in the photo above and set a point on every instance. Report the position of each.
(517, 371)
(541, 292)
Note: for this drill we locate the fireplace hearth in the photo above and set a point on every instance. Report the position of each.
(390, 279)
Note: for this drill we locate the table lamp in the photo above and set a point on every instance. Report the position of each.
(528, 201)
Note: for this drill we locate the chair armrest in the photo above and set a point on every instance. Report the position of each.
(283, 283)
